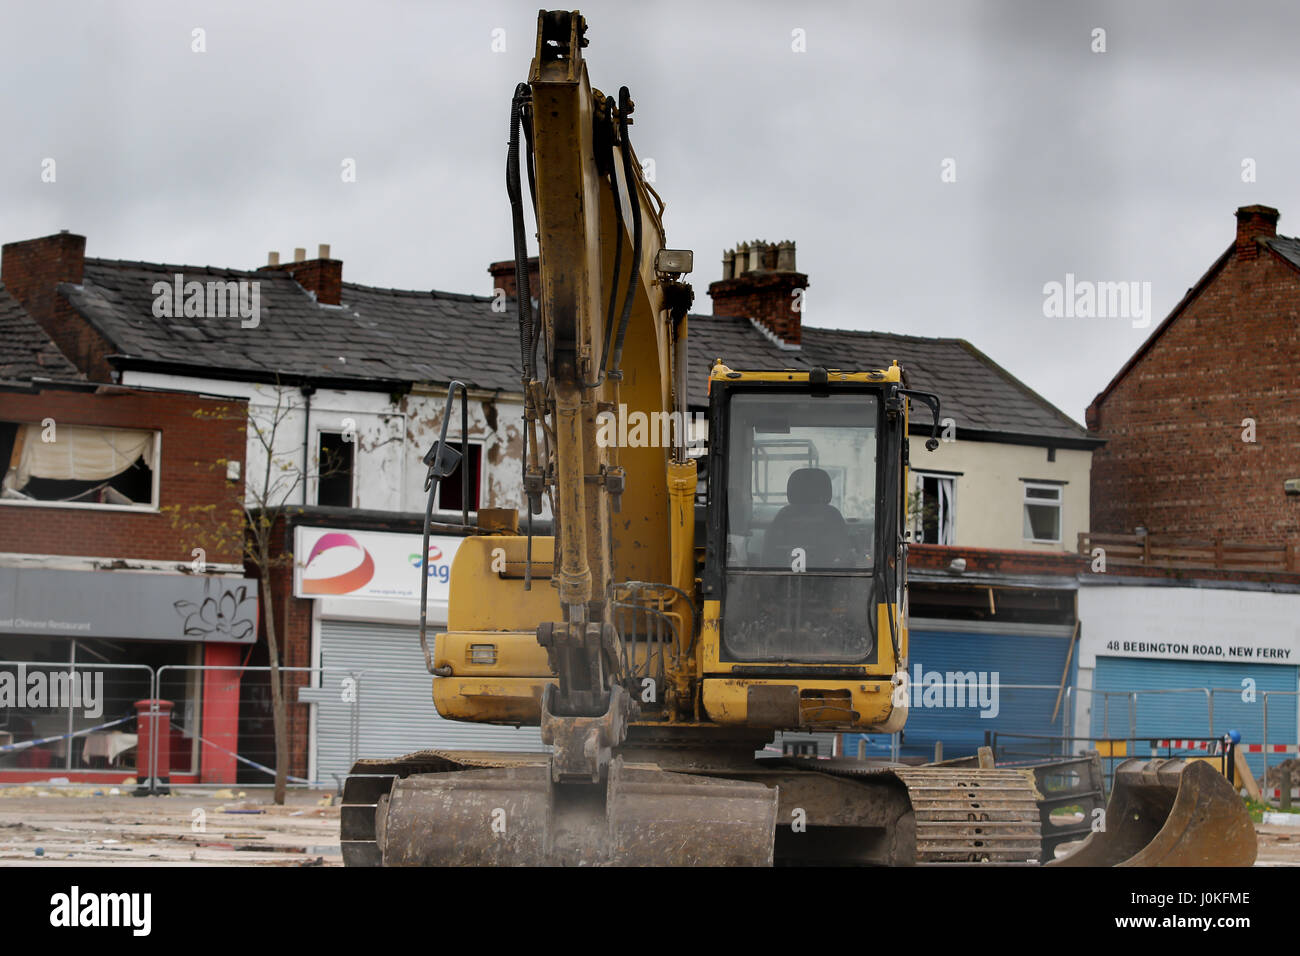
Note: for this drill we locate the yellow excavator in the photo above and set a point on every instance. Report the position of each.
(659, 644)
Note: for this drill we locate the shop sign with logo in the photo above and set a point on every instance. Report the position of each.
(331, 562)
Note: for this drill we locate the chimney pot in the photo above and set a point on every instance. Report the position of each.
(503, 278)
(759, 283)
(1254, 222)
(323, 251)
(299, 254)
(273, 258)
(785, 257)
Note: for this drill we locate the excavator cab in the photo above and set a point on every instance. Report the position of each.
(795, 500)
(804, 566)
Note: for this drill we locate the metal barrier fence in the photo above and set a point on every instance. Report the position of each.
(335, 715)
(1266, 719)
(71, 716)
(231, 741)
(1012, 748)
(219, 729)
(945, 719)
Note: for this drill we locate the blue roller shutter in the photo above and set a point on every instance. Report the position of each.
(1016, 658)
(1175, 716)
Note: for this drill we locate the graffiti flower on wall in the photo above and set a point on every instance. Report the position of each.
(230, 617)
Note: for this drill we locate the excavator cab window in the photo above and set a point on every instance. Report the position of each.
(800, 500)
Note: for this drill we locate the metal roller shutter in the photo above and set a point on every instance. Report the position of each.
(1018, 658)
(1176, 716)
(394, 712)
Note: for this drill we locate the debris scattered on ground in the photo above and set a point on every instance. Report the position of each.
(154, 831)
(49, 789)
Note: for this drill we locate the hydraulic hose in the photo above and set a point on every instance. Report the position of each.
(634, 200)
(523, 296)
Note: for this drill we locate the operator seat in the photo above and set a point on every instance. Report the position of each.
(810, 522)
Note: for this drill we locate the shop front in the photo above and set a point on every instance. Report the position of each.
(1178, 663)
(81, 651)
(372, 694)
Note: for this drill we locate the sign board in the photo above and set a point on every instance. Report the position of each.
(128, 605)
(334, 563)
(1189, 624)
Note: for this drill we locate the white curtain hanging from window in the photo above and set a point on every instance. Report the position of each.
(78, 453)
(945, 510)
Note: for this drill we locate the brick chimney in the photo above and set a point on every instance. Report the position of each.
(322, 276)
(31, 270)
(503, 277)
(758, 282)
(1254, 223)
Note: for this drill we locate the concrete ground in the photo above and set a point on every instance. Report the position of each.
(1278, 845)
(69, 825)
(62, 825)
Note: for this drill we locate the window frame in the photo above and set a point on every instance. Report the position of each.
(917, 527)
(155, 490)
(877, 427)
(481, 444)
(1026, 501)
(715, 583)
(352, 477)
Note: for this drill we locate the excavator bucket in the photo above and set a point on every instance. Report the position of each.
(514, 816)
(1169, 813)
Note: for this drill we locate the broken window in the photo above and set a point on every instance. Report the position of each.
(78, 464)
(334, 481)
(932, 510)
(449, 488)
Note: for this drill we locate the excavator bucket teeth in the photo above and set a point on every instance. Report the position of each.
(515, 817)
(1169, 813)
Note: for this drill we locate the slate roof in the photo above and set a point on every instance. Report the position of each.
(974, 391)
(398, 336)
(26, 351)
(386, 335)
(1286, 247)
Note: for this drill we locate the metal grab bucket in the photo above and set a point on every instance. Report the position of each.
(1169, 813)
(514, 816)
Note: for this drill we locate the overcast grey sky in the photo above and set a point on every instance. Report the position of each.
(1123, 165)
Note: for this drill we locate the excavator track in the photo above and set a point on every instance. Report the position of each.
(963, 815)
(974, 816)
